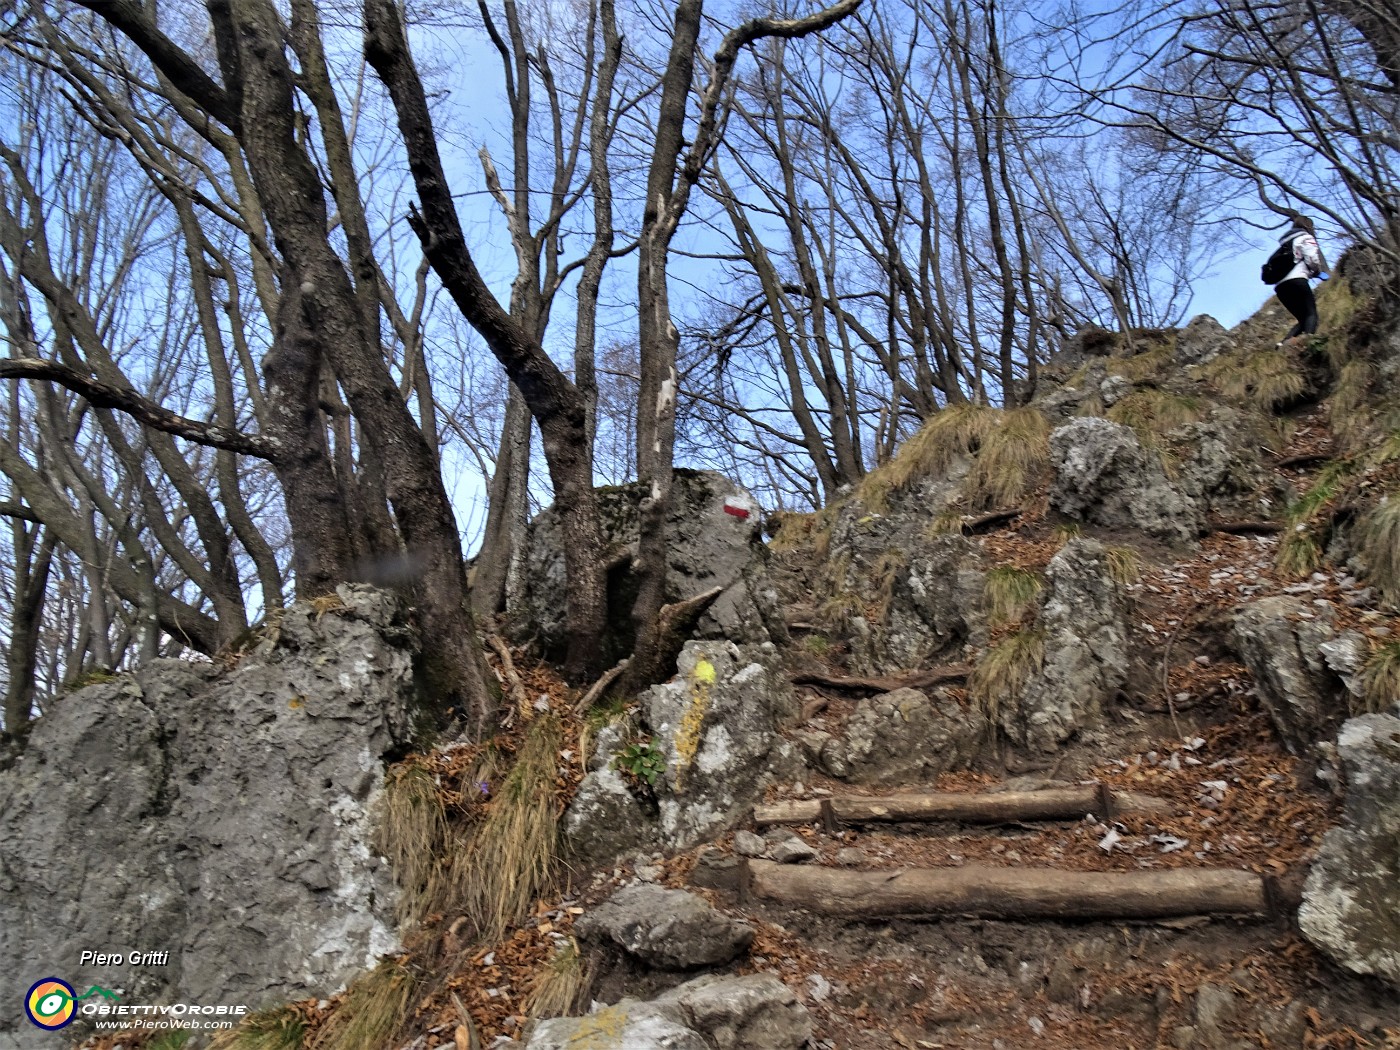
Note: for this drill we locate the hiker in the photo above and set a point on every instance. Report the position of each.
(1293, 288)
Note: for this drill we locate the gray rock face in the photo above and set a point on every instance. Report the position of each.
(904, 736)
(666, 929)
(713, 534)
(1203, 339)
(1284, 643)
(717, 723)
(1104, 476)
(1219, 466)
(628, 1025)
(223, 819)
(757, 1012)
(606, 821)
(1351, 902)
(1085, 627)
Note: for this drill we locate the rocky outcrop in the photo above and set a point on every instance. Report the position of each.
(901, 736)
(1202, 340)
(666, 929)
(757, 1012)
(713, 536)
(1104, 476)
(223, 819)
(1301, 667)
(716, 727)
(1084, 627)
(1351, 902)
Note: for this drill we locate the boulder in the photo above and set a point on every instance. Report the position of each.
(903, 736)
(716, 723)
(1291, 648)
(756, 1012)
(606, 821)
(1351, 901)
(666, 929)
(224, 819)
(1202, 340)
(628, 1025)
(1104, 476)
(1084, 623)
(713, 534)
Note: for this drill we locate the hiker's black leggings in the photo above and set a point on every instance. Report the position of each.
(1297, 297)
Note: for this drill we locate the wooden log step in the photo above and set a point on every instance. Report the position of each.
(999, 807)
(1009, 893)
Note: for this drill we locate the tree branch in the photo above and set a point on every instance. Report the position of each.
(104, 395)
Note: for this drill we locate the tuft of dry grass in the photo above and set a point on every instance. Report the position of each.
(1011, 593)
(1299, 553)
(1012, 455)
(1009, 447)
(559, 985)
(1154, 413)
(1346, 407)
(1124, 565)
(510, 860)
(1145, 365)
(1380, 680)
(885, 574)
(413, 831)
(1004, 670)
(1263, 379)
(375, 1006)
(279, 1028)
(1379, 537)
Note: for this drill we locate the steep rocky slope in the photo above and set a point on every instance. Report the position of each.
(1073, 726)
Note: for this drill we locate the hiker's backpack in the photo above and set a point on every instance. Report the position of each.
(1276, 269)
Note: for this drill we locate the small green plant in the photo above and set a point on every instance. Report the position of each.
(1299, 553)
(817, 644)
(170, 1040)
(1011, 592)
(1380, 680)
(641, 760)
(1066, 531)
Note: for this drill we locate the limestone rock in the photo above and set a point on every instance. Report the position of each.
(628, 1025)
(713, 535)
(224, 819)
(1351, 902)
(1203, 339)
(717, 724)
(1282, 640)
(1104, 476)
(667, 929)
(1085, 631)
(606, 821)
(902, 736)
(757, 1012)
